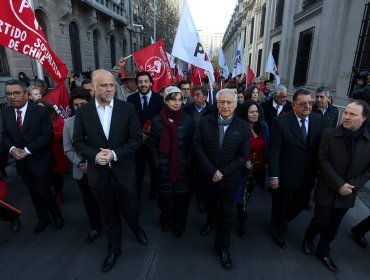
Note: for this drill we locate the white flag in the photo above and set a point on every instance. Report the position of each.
(272, 68)
(223, 65)
(171, 59)
(211, 51)
(238, 67)
(187, 45)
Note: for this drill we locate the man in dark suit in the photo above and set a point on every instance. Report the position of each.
(276, 106)
(292, 159)
(147, 105)
(107, 134)
(322, 106)
(27, 133)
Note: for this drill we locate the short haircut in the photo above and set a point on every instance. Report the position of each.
(266, 81)
(365, 109)
(183, 82)
(31, 88)
(16, 82)
(300, 91)
(86, 81)
(203, 89)
(279, 89)
(144, 73)
(41, 83)
(81, 93)
(225, 91)
(324, 89)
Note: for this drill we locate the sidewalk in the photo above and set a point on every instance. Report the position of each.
(63, 254)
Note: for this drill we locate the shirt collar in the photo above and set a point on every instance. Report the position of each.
(274, 104)
(196, 107)
(97, 105)
(299, 119)
(149, 95)
(23, 109)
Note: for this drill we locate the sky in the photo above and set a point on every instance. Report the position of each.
(211, 15)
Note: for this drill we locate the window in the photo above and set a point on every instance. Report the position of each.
(275, 55)
(96, 48)
(279, 13)
(362, 55)
(307, 3)
(250, 59)
(112, 51)
(252, 27)
(263, 15)
(74, 38)
(4, 68)
(245, 36)
(259, 59)
(303, 57)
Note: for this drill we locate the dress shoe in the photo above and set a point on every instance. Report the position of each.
(307, 247)
(15, 225)
(110, 261)
(225, 258)
(58, 223)
(360, 239)
(177, 234)
(92, 236)
(141, 236)
(279, 241)
(242, 231)
(328, 262)
(206, 229)
(41, 226)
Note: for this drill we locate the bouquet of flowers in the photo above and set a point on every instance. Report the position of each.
(250, 181)
(146, 130)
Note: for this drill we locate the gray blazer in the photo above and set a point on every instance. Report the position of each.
(68, 148)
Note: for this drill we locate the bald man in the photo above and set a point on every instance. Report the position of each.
(107, 134)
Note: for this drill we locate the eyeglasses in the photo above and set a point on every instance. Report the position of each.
(14, 93)
(302, 103)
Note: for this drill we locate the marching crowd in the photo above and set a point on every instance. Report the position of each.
(218, 144)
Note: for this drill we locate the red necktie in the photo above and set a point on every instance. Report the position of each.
(19, 119)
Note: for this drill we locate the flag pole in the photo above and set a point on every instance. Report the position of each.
(10, 207)
(39, 70)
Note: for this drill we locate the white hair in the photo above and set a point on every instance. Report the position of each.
(227, 91)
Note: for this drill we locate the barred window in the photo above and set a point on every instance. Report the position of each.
(303, 57)
(259, 60)
(252, 29)
(263, 15)
(362, 55)
(275, 55)
(279, 13)
(4, 68)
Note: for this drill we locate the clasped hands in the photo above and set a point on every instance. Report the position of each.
(346, 189)
(104, 157)
(217, 176)
(18, 154)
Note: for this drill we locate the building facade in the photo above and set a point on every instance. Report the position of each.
(314, 42)
(84, 34)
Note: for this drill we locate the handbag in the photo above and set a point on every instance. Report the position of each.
(3, 187)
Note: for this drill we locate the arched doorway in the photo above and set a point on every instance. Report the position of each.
(112, 50)
(74, 38)
(96, 48)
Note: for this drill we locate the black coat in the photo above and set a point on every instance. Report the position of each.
(161, 161)
(290, 158)
(270, 111)
(155, 106)
(330, 118)
(189, 108)
(230, 158)
(124, 138)
(337, 168)
(36, 135)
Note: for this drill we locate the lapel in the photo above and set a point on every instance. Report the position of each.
(27, 117)
(12, 120)
(115, 119)
(295, 128)
(95, 119)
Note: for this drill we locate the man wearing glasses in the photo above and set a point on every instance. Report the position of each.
(27, 133)
(322, 105)
(184, 85)
(292, 159)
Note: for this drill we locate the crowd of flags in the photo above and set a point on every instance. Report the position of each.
(187, 53)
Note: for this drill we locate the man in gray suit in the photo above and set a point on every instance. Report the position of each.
(79, 97)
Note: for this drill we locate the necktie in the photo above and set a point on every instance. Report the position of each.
(19, 119)
(277, 110)
(145, 102)
(303, 128)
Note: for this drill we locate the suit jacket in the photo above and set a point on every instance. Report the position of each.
(155, 106)
(124, 138)
(36, 135)
(270, 111)
(68, 148)
(339, 166)
(292, 159)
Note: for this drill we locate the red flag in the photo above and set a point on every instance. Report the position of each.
(196, 74)
(20, 31)
(60, 99)
(153, 59)
(178, 75)
(217, 74)
(250, 75)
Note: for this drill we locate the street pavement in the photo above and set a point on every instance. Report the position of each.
(64, 254)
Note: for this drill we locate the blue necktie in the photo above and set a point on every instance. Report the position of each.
(145, 102)
(303, 128)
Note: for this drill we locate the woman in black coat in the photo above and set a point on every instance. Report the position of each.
(170, 143)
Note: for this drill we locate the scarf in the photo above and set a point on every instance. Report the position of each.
(221, 133)
(352, 137)
(169, 143)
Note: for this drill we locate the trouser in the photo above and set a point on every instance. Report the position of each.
(41, 196)
(286, 205)
(363, 227)
(174, 206)
(7, 215)
(142, 156)
(326, 221)
(115, 200)
(91, 205)
(57, 181)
